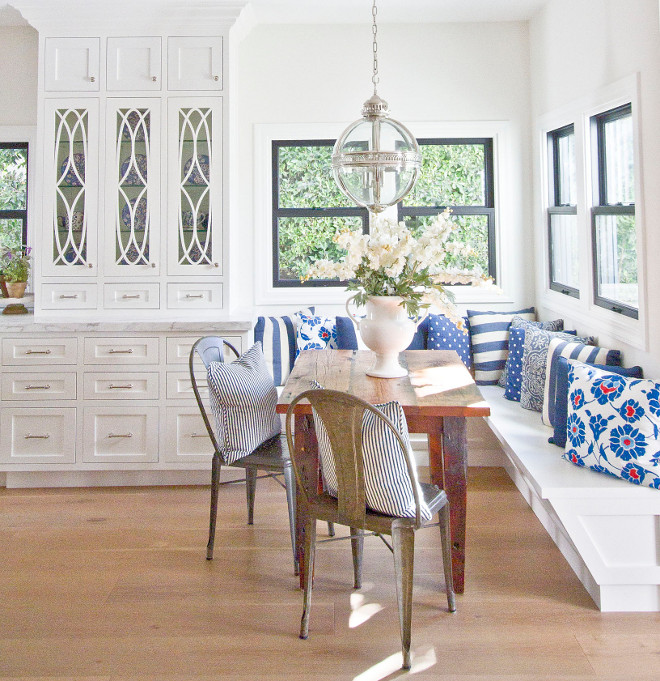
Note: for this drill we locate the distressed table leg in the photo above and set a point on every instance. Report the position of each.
(454, 454)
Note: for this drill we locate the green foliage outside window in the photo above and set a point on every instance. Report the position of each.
(13, 194)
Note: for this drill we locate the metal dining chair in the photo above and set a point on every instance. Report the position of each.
(342, 416)
(272, 456)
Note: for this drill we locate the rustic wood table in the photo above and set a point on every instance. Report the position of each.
(437, 396)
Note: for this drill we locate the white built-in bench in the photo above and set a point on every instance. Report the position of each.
(608, 529)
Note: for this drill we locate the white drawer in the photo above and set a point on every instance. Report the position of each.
(41, 386)
(30, 352)
(127, 350)
(178, 349)
(131, 296)
(69, 296)
(120, 434)
(187, 439)
(194, 296)
(179, 386)
(120, 386)
(38, 435)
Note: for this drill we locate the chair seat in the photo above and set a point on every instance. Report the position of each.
(271, 455)
(326, 507)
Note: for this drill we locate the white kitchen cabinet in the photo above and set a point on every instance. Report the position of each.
(194, 63)
(134, 63)
(72, 64)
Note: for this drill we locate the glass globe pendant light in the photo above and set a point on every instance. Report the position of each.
(376, 160)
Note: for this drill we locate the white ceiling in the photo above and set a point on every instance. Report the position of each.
(359, 11)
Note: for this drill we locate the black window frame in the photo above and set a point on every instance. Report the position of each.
(279, 212)
(21, 214)
(488, 209)
(601, 205)
(556, 206)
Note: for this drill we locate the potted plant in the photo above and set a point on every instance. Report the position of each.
(15, 264)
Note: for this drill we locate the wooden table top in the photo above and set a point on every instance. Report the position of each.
(438, 384)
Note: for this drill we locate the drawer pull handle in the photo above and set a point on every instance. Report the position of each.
(195, 295)
(197, 435)
(36, 437)
(128, 386)
(128, 297)
(37, 387)
(120, 434)
(73, 297)
(37, 352)
(128, 351)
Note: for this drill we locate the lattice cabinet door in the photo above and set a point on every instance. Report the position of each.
(132, 216)
(195, 186)
(71, 188)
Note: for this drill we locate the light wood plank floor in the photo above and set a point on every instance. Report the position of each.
(100, 584)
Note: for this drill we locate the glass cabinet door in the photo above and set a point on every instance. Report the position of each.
(71, 214)
(195, 164)
(131, 244)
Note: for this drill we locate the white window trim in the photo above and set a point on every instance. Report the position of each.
(265, 133)
(593, 318)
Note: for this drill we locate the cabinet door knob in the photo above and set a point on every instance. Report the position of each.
(216, 264)
(153, 265)
(154, 78)
(216, 78)
(92, 79)
(90, 265)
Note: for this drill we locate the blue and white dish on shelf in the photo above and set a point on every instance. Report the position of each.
(197, 177)
(133, 124)
(140, 213)
(68, 173)
(133, 171)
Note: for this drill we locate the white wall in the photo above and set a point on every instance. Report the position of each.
(436, 72)
(18, 75)
(577, 48)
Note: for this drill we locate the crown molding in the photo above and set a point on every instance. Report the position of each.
(130, 17)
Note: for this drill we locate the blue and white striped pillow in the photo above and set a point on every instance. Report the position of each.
(489, 333)
(589, 354)
(278, 340)
(243, 399)
(388, 488)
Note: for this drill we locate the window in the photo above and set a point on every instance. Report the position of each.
(614, 235)
(457, 174)
(562, 213)
(13, 194)
(308, 208)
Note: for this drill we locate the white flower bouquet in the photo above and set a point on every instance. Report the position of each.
(390, 261)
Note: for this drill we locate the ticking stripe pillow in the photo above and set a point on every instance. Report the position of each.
(243, 399)
(278, 340)
(388, 488)
(589, 354)
(489, 333)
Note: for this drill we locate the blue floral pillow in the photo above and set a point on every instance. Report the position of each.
(315, 332)
(613, 424)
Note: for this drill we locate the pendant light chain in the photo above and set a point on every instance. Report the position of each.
(374, 30)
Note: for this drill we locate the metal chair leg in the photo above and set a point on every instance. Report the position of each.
(357, 545)
(250, 490)
(215, 486)
(290, 485)
(403, 542)
(445, 533)
(331, 529)
(309, 550)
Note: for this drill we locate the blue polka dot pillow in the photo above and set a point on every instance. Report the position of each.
(315, 332)
(613, 424)
(443, 334)
(514, 364)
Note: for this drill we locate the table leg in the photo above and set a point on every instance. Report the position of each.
(453, 453)
(308, 467)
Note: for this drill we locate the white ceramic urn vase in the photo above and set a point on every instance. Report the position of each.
(387, 330)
